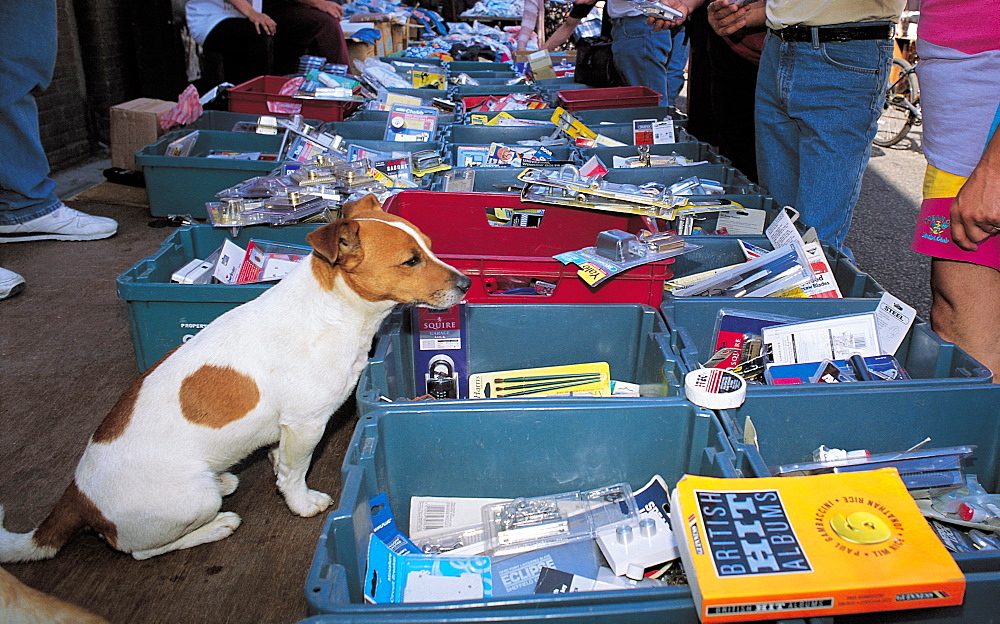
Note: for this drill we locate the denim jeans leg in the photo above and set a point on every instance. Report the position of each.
(27, 61)
(777, 134)
(838, 126)
(817, 113)
(675, 68)
(641, 55)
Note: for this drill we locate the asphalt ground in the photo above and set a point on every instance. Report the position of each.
(884, 219)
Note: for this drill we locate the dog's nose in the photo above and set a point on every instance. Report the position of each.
(462, 283)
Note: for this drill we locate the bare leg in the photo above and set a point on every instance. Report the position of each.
(966, 309)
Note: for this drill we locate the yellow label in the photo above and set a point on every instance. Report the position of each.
(478, 119)
(381, 177)
(591, 273)
(592, 378)
(496, 120)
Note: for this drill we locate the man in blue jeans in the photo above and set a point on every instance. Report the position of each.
(820, 89)
(29, 209)
(644, 56)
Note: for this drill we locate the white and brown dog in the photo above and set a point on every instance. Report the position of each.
(272, 370)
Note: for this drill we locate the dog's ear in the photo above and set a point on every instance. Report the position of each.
(338, 243)
(368, 202)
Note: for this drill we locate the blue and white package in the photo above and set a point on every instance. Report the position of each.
(395, 578)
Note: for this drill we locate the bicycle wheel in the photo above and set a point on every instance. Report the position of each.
(897, 112)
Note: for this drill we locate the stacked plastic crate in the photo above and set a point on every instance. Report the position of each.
(528, 447)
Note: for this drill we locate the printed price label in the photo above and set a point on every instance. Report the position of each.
(591, 273)
(663, 132)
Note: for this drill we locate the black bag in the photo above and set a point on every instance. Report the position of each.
(595, 63)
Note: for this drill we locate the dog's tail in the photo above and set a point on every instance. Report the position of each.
(64, 521)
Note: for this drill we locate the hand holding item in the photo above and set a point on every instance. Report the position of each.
(975, 213)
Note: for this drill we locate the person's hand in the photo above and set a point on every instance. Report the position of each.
(659, 24)
(975, 213)
(264, 24)
(334, 9)
(726, 18)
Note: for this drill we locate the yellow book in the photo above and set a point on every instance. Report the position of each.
(812, 546)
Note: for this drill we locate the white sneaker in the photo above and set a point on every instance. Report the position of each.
(10, 283)
(64, 223)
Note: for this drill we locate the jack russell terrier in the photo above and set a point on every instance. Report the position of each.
(272, 370)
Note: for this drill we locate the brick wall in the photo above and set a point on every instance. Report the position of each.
(110, 51)
(62, 108)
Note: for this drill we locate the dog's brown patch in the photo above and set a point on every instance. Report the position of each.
(73, 512)
(117, 420)
(214, 396)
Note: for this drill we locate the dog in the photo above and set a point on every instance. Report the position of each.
(20, 604)
(269, 372)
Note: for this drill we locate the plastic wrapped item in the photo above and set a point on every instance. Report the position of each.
(380, 75)
(617, 251)
(277, 210)
(531, 523)
(926, 472)
(775, 271)
(696, 186)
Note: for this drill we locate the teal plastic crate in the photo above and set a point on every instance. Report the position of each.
(462, 91)
(721, 251)
(559, 153)
(504, 180)
(506, 336)
(733, 182)
(224, 121)
(627, 115)
(402, 58)
(502, 75)
(163, 314)
(790, 426)
(457, 67)
(624, 133)
(182, 184)
(979, 607)
(352, 130)
(929, 360)
(423, 94)
(383, 116)
(535, 114)
(505, 452)
(695, 150)
(484, 135)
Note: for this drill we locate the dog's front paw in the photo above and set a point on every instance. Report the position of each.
(310, 504)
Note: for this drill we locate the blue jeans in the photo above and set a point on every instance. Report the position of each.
(642, 55)
(27, 60)
(675, 68)
(817, 108)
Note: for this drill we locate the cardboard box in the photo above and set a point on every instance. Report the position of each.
(134, 125)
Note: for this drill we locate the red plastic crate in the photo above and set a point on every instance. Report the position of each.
(253, 95)
(612, 97)
(470, 102)
(499, 258)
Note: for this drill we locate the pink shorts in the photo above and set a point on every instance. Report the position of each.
(932, 235)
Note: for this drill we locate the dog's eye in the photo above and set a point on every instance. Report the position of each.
(412, 262)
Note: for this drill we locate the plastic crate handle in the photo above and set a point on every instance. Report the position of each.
(491, 286)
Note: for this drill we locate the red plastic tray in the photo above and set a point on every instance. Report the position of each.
(470, 102)
(611, 97)
(253, 95)
(497, 257)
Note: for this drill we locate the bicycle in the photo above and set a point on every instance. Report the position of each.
(901, 110)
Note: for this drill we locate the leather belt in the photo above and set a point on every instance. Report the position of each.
(829, 34)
